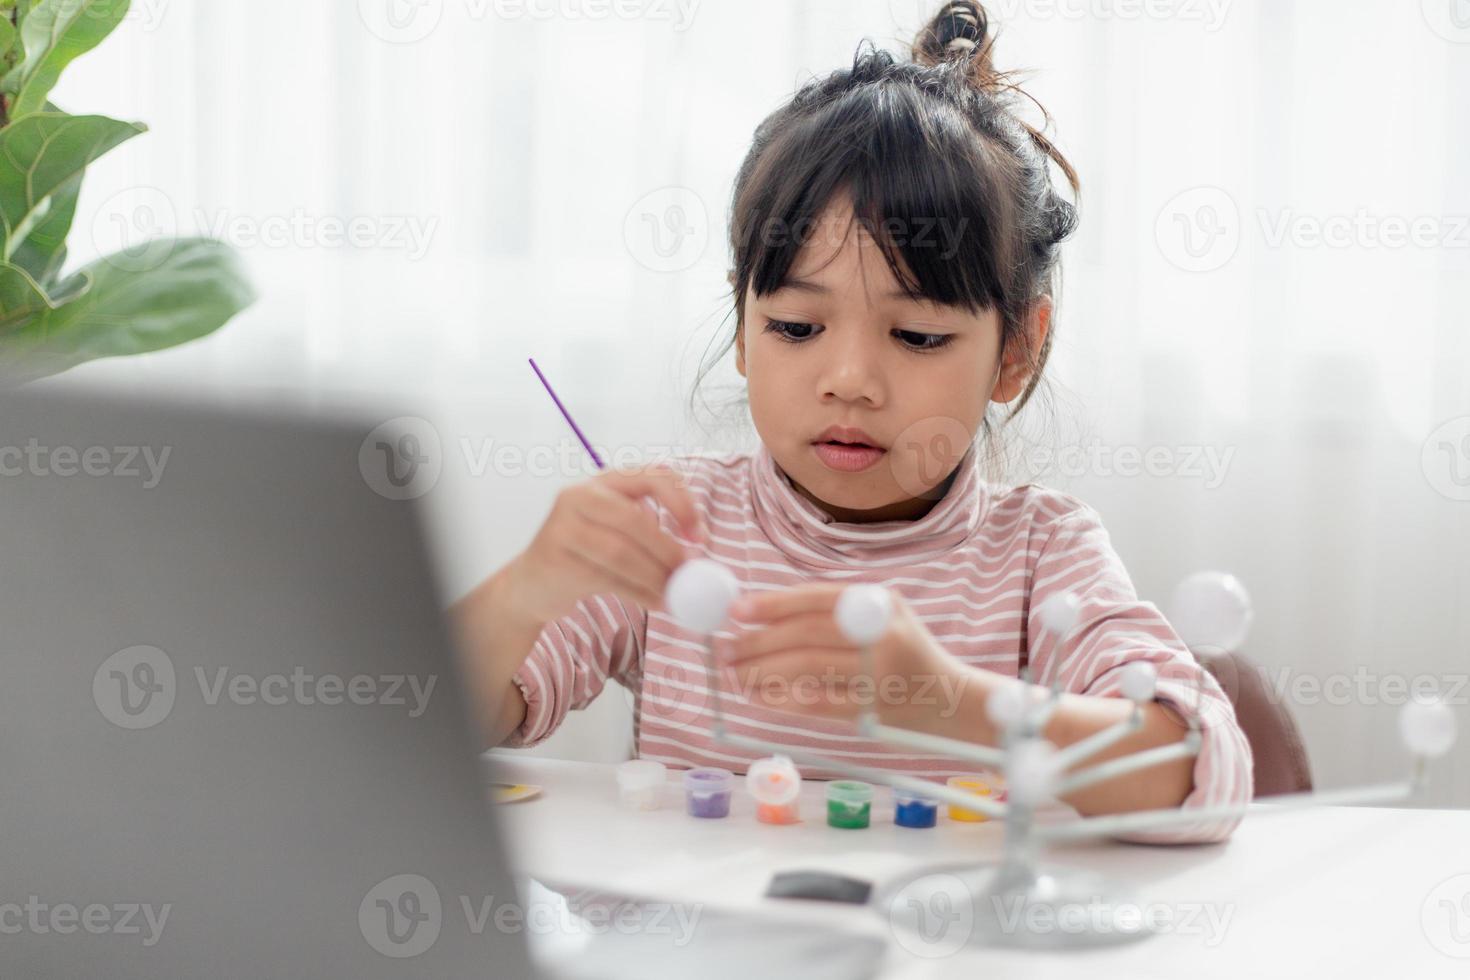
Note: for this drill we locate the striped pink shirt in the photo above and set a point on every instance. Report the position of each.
(974, 569)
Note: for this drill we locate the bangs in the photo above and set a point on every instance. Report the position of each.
(919, 183)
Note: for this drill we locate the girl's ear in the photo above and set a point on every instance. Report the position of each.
(740, 349)
(1015, 367)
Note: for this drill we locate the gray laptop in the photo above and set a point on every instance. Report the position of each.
(231, 739)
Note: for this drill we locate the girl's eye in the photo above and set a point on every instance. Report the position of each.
(792, 333)
(795, 333)
(924, 341)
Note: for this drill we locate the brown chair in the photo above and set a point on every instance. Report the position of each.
(1281, 764)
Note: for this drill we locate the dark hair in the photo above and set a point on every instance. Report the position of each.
(938, 138)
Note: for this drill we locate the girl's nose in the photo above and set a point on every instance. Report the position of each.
(852, 373)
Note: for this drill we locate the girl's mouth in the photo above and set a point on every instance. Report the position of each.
(846, 457)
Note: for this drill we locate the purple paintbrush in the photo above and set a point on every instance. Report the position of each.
(567, 415)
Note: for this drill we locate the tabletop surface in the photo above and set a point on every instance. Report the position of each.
(1344, 891)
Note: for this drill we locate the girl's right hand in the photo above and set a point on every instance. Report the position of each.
(601, 537)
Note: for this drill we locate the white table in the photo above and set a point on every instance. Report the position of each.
(1328, 892)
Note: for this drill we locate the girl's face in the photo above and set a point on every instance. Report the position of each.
(839, 344)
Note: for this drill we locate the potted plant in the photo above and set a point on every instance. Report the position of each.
(126, 303)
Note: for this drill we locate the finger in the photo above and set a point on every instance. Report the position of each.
(792, 633)
(617, 513)
(664, 485)
(622, 565)
(814, 597)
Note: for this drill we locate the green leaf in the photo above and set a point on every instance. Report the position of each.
(7, 36)
(54, 33)
(39, 156)
(189, 293)
(20, 296)
(43, 252)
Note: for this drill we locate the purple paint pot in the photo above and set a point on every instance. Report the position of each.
(707, 791)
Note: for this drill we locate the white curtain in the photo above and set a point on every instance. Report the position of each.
(1262, 347)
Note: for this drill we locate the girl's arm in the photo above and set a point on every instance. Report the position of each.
(542, 635)
(1114, 629)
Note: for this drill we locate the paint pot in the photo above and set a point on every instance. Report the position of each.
(641, 783)
(707, 791)
(914, 810)
(776, 784)
(980, 785)
(849, 804)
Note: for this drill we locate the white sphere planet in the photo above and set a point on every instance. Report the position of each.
(1061, 612)
(1139, 681)
(863, 612)
(1211, 611)
(1031, 772)
(1427, 727)
(1005, 705)
(700, 593)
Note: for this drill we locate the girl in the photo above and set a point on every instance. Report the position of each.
(895, 234)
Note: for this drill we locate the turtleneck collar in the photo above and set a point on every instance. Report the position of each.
(811, 537)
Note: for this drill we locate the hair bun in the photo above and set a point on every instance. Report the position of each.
(959, 32)
(960, 27)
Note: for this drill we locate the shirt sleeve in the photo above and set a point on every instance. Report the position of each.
(1115, 628)
(573, 658)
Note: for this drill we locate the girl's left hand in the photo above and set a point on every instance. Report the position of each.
(793, 657)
